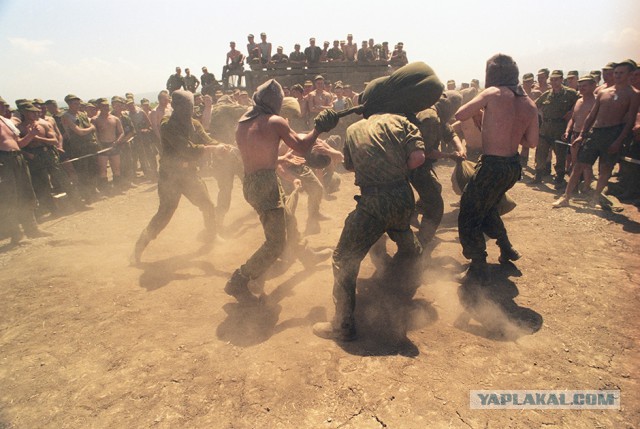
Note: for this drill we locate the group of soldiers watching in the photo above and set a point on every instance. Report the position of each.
(70, 150)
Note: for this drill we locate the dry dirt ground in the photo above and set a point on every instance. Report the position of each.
(88, 342)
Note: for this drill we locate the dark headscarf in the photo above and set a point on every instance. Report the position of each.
(448, 105)
(267, 100)
(503, 71)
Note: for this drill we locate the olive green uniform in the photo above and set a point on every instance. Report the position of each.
(554, 107)
(17, 199)
(377, 149)
(76, 146)
(44, 168)
(181, 150)
(424, 178)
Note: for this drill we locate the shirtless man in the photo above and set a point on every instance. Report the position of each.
(319, 99)
(470, 136)
(510, 120)
(43, 161)
(543, 84)
(17, 200)
(162, 110)
(607, 77)
(258, 137)
(110, 134)
(233, 65)
(350, 49)
(609, 123)
(529, 87)
(586, 86)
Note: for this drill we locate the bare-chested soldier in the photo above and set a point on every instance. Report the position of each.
(258, 137)
(607, 77)
(17, 200)
(350, 49)
(109, 131)
(471, 136)
(510, 120)
(319, 99)
(543, 81)
(586, 86)
(162, 110)
(609, 123)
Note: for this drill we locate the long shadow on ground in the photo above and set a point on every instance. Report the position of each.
(493, 307)
(386, 310)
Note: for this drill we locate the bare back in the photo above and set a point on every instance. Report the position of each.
(508, 120)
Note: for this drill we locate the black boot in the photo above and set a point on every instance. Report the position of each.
(237, 286)
(478, 272)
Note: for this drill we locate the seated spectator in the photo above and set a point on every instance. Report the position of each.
(365, 55)
(350, 49)
(384, 52)
(279, 57)
(398, 57)
(234, 65)
(251, 45)
(335, 53)
(265, 49)
(297, 58)
(325, 52)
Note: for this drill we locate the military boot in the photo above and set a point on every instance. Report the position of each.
(340, 329)
(237, 286)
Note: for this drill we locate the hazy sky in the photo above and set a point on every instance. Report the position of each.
(102, 48)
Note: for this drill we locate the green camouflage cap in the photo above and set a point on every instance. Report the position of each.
(609, 66)
(573, 73)
(144, 101)
(28, 107)
(557, 73)
(20, 101)
(3, 102)
(102, 101)
(587, 78)
(48, 102)
(93, 102)
(118, 99)
(595, 73)
(544, 71)
(527, 77)
(71, 97)
(38, 101)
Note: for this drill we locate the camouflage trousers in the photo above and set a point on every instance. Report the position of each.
(431, 204)
(17, 199)
(45, 169)
(378, 211)
(172, 184)
(494, 175)
(263, 190)
(311, 185)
